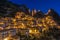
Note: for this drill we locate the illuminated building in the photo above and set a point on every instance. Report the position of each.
(6, 33)
(26, 22)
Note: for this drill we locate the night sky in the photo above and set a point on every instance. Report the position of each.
(42, 5)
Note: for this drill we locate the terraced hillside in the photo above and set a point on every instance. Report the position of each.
(39, 25)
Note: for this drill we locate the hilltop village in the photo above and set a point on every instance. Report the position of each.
(17, 22)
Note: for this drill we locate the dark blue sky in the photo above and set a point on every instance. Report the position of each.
(42, 5)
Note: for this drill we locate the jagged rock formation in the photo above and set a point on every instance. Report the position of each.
(37, 23)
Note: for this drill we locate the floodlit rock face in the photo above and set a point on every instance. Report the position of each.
(35, 22)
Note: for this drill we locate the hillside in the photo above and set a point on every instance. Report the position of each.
(40, 26)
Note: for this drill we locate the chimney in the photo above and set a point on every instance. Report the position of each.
(34, 12)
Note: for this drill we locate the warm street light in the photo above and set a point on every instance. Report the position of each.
(6, 39)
